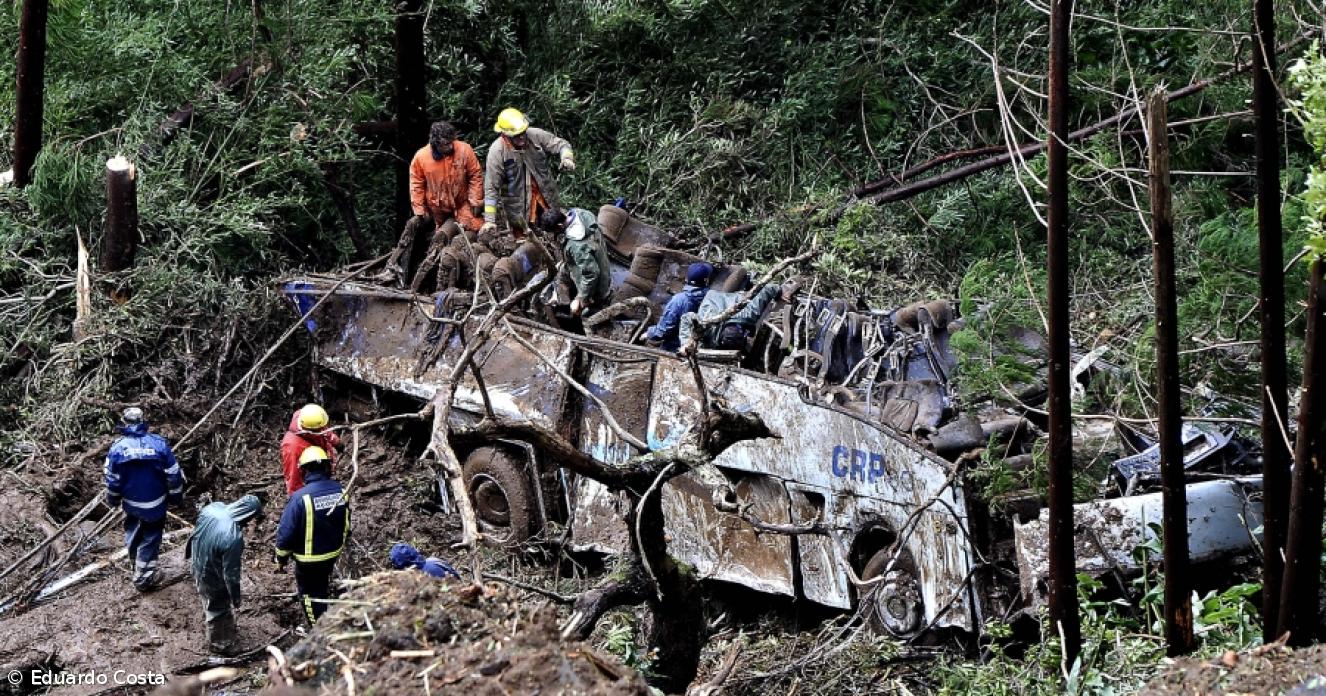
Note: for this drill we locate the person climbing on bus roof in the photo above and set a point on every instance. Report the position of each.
(517, 180)
(446, 196)
(665, 333)
(736, 332)
(586, 256)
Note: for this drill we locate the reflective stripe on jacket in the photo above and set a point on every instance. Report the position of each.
(507, 174)
(142, 474)
(447, 188)
(316, 521)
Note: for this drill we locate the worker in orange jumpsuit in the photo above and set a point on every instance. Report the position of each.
(446, 194)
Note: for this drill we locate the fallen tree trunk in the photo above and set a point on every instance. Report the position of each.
(183, 116)
(668, 587)
(890, 190)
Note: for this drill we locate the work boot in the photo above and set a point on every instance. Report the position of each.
(221, 635)
(146, 581)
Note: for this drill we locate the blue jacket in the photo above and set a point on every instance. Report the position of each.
(141, 472)
(311, 528)
(216, 546)
(688, 300)
(405, 556)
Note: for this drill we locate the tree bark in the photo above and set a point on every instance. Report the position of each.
(1063, 568)
(411, 98)
(1271, 303)
(1300, 588)
(119, 240)
(30, 89)
(343, 197)
(1178, 586)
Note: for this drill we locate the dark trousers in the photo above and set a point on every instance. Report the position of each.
(143, 541)
(313, 582)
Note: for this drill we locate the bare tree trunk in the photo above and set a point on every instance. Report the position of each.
(1300, 590)
(1063, 567)
(343, 197)
(1275, 379)
(31, 86)
(677, 630)
(119, 241)
(411, 98)
(1178, 586)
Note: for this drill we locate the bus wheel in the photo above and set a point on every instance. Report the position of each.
(895, 606)
(501, 494)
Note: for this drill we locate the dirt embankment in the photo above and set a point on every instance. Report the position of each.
(1267, 670)
(408, 633)
(101, 624)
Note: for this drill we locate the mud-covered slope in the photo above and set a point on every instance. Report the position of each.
(403, 632)
(102, 624)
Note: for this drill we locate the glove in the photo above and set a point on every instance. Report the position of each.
(685, 350)
(577, 307)
(280, 560)
(568, 161)
(112, 501)
(487, 228)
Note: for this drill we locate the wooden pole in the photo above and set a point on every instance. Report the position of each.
(411, 98)
(1299, 592)
(1063, 567)
(1178, 586)
(30, 83)
(119, 241)
(1271, 303)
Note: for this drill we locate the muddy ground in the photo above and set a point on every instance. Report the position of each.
(405, 633)
(101, 624)
(1270, 670)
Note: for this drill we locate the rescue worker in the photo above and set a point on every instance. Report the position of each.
(736, 332)
(517, 178)
(143, 476)
(314, 528)
(586, 256)
(446, 193)
(308, 428)
(664, 333)
(216, 552)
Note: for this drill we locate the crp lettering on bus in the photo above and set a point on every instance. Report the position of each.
(857, 465)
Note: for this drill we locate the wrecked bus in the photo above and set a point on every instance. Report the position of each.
(867, 482)
(868, 442)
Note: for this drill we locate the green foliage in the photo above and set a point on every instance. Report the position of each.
(1308, 77)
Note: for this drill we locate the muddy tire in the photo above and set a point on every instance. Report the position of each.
(895, 607)
(502, 496)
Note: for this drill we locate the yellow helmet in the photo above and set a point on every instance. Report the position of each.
(510, 122)
(313, 454)
(313, 417)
